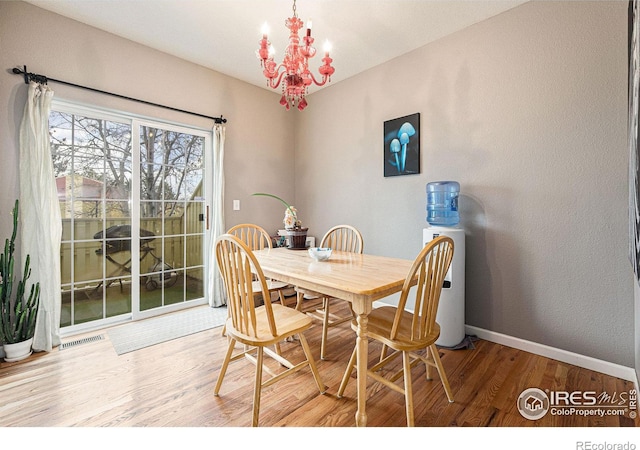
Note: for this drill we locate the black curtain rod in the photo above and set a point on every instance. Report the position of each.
(43, 79)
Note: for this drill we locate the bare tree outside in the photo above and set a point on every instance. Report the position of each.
(170, 170)
(92, 161)
(171, 165)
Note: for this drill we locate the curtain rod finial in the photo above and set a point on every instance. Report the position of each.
(21, 72)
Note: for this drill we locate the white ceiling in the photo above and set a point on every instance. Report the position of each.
(223, 34)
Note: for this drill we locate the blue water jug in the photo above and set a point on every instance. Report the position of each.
(442, 203)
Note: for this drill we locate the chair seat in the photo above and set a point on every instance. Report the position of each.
(272, 285)
(380, 324)
(288, 320)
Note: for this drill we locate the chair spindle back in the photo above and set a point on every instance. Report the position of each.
(430, 267)
(239, 267)
(254, 236)
(343, 237)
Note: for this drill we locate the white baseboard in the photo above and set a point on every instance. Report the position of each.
(614, 370)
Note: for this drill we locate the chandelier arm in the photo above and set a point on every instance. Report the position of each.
(273, 85)
(324, 79)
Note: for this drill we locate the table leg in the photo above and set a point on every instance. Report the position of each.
(362, 346)
(299, 299)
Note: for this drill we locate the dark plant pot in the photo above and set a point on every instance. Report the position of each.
(297, 238)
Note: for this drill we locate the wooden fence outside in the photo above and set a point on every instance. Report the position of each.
(88, 263)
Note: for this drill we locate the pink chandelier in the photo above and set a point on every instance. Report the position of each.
(293, 73)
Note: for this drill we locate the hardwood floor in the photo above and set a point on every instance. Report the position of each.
(171, 385)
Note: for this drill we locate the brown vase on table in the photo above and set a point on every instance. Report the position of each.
(297, 238)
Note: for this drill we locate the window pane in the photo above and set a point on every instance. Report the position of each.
(66, 260)
(195, 217)
(194, 283)
(174, 219)
(194, 250)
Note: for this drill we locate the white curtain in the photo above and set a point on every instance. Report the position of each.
(216, 215)
(40, 221)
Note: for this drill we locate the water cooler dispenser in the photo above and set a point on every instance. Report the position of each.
(443, 219)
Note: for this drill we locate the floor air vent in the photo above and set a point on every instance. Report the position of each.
(81, 341)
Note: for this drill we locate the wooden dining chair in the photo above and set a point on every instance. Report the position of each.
(257, 238)
(341, 237)
(406, 333)
(257, 327)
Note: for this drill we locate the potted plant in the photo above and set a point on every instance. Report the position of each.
(17, 313)
(293, 226)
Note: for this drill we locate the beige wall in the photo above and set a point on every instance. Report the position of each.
(526, 110)
(259, 150)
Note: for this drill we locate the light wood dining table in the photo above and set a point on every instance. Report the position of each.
(357, 278)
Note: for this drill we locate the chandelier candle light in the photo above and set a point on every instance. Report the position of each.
(293, 73)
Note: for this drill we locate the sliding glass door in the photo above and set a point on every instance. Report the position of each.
(171, 215)
(133, 208)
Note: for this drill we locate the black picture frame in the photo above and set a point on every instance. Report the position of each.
(402, 146)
